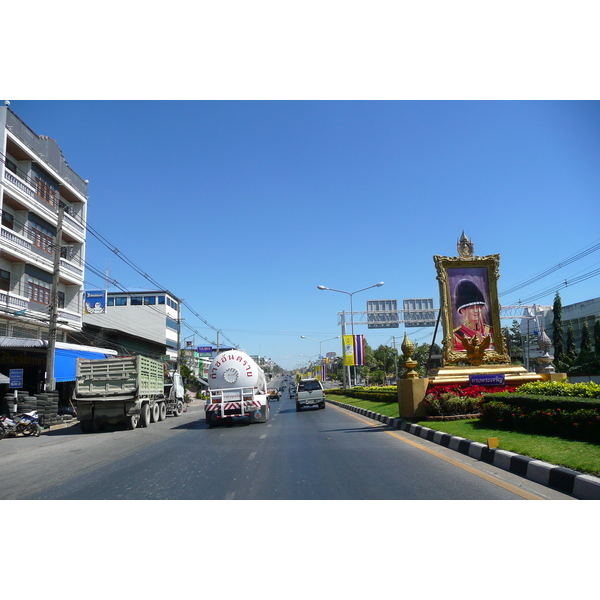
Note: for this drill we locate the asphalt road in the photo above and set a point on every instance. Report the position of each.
(314, 454)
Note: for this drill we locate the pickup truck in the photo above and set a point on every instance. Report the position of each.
(274, 394)
(309, 393)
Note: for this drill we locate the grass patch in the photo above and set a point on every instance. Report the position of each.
(579, 456)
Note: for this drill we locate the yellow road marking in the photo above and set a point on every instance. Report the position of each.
(491, 478)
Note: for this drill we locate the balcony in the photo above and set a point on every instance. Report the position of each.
(13, 301)
(27, 197)
(13, 242)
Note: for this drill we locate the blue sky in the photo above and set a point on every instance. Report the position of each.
(243, 207)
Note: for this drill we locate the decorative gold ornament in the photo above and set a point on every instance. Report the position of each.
(476, 349)
(408, 348)
(464, 246)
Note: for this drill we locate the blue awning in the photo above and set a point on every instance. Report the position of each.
(65, 362)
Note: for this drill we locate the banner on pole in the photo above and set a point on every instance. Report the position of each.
(359, 350)
(348, 350)
(354, 350)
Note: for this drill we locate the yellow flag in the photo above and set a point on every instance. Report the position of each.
(348, 350)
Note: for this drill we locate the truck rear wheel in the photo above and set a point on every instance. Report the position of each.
(145, 415)
(133, 421)
(155, 413)
(163, 411)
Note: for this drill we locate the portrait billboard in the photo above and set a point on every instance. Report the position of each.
(470, 308)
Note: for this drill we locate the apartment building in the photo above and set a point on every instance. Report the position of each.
(35, 182)
(137, 322)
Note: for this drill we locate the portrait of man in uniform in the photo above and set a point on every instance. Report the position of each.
(470, 311)
(470, 304)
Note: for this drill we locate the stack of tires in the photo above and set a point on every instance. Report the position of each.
(26, 403)
(42, 408)
(7, 407)
(52, 408)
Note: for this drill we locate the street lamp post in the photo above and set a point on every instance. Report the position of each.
(320, 342)
(322, 287)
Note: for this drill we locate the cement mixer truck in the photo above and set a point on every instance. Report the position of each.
(237, 388)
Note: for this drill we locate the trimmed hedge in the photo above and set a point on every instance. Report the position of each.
(568, 417)
(381, 394)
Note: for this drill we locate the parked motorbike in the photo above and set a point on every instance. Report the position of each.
(26, 423)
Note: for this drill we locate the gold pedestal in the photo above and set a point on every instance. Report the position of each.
(553, 376)
(513, 374)
(411, 393)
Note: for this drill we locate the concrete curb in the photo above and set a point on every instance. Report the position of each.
(573, 483)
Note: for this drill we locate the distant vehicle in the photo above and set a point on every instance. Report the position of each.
(237, 388)
(309, 393)
(274, 394)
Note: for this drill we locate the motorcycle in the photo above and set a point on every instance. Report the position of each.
(26, 423)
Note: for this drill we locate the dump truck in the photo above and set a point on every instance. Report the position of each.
(135, 390)
(237, 388)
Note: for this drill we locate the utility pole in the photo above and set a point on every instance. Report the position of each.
(52, 326)
(178, 363)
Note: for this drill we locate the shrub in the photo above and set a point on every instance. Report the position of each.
(448, 404)
(572, 418)
(561, 388)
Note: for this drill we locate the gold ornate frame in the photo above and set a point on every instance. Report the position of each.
(491, 265)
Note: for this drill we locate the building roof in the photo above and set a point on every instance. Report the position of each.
(13, 342)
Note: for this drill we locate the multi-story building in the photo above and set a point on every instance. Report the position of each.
(572, 315)
(136, 322)
(35, 182)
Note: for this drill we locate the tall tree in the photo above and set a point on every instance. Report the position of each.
(513, 341)
(571, 351)
(585, 347)
(557, 329)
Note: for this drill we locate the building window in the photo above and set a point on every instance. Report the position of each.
(136, 301)
(39, 291)
(161, 300)
(121, 301)
(8, 220)
(42, 238)
(61, 299)
(45, 192)
(110, 302)
(149, 300)
(11, 166)
(4, 280)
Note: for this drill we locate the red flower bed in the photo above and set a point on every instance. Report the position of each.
(469, 391)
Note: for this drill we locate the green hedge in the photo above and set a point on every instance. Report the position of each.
(569, 417)
(372, 394)
(561, 388)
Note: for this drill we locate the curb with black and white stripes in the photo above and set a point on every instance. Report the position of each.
(573, 483)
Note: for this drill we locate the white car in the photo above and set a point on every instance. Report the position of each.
(309, 393)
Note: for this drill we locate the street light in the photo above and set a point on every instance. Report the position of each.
(319, 342)
(322, 287)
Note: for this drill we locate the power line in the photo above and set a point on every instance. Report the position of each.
(583, 253)
(131, 264)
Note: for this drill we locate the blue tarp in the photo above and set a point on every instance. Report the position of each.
(65, 362)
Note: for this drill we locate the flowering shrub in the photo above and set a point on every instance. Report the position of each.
(450, 400)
